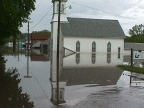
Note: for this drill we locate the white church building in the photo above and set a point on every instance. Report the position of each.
(96, 37)
(86, 35)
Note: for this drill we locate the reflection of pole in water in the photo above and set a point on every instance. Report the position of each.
(18, 50)
(28, 66)
(130, 78)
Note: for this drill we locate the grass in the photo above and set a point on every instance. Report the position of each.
(132, 68)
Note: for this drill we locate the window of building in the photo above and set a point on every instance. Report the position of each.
(109, 52)
(108, 58)
(93, 58)
(118, 52)
(61, 95)
(77, 58)
(77, 46)
(62, 9)
(109, 47)
(93, 47)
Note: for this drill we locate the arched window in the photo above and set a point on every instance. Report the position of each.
(109, 47)
(57, 8)
(109, 52)
(77, 46)
(77, 58)
(62, 8)
(93, 47)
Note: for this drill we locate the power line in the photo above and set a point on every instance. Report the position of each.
(36, 8)
(42, 18)
(103, 11)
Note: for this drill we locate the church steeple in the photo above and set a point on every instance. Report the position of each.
(56, 10)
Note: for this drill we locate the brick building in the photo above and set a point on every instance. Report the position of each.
(39, 37)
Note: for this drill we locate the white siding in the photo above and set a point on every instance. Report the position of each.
(101, 44)
(86, 60)
(54, 35)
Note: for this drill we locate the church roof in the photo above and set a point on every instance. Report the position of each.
(83, 27)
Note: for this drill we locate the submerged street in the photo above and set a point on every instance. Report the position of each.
(81, 85)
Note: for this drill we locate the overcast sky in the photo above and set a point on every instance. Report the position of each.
(128, 12)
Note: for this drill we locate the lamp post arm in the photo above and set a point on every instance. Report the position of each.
(70, 7)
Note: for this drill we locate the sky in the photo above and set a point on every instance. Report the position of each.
(127, 12)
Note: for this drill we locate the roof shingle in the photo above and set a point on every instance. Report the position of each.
(83, 27)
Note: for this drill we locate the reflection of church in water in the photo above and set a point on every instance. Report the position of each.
(84, 69)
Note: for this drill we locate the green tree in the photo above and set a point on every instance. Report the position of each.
(11, 95)
(136, 33)
(136, 30)
(43, 31)
(13, 14)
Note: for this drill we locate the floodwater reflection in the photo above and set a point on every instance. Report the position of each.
(91, 76)
(89, 69)
(86, 80)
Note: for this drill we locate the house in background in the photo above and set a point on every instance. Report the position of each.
(36, 46)
(39, 37)
(46, 46)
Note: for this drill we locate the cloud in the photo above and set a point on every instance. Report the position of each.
(102, 9)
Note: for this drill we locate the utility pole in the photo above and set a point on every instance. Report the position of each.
(131, 56)
(28, 67)
(58, 36)
(28, 56)
(28, 34)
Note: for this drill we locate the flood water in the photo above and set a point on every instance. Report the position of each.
(86, 80)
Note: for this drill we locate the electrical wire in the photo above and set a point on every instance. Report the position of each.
(42, 18)
(103, 11)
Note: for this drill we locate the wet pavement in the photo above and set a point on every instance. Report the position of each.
(83, 83)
